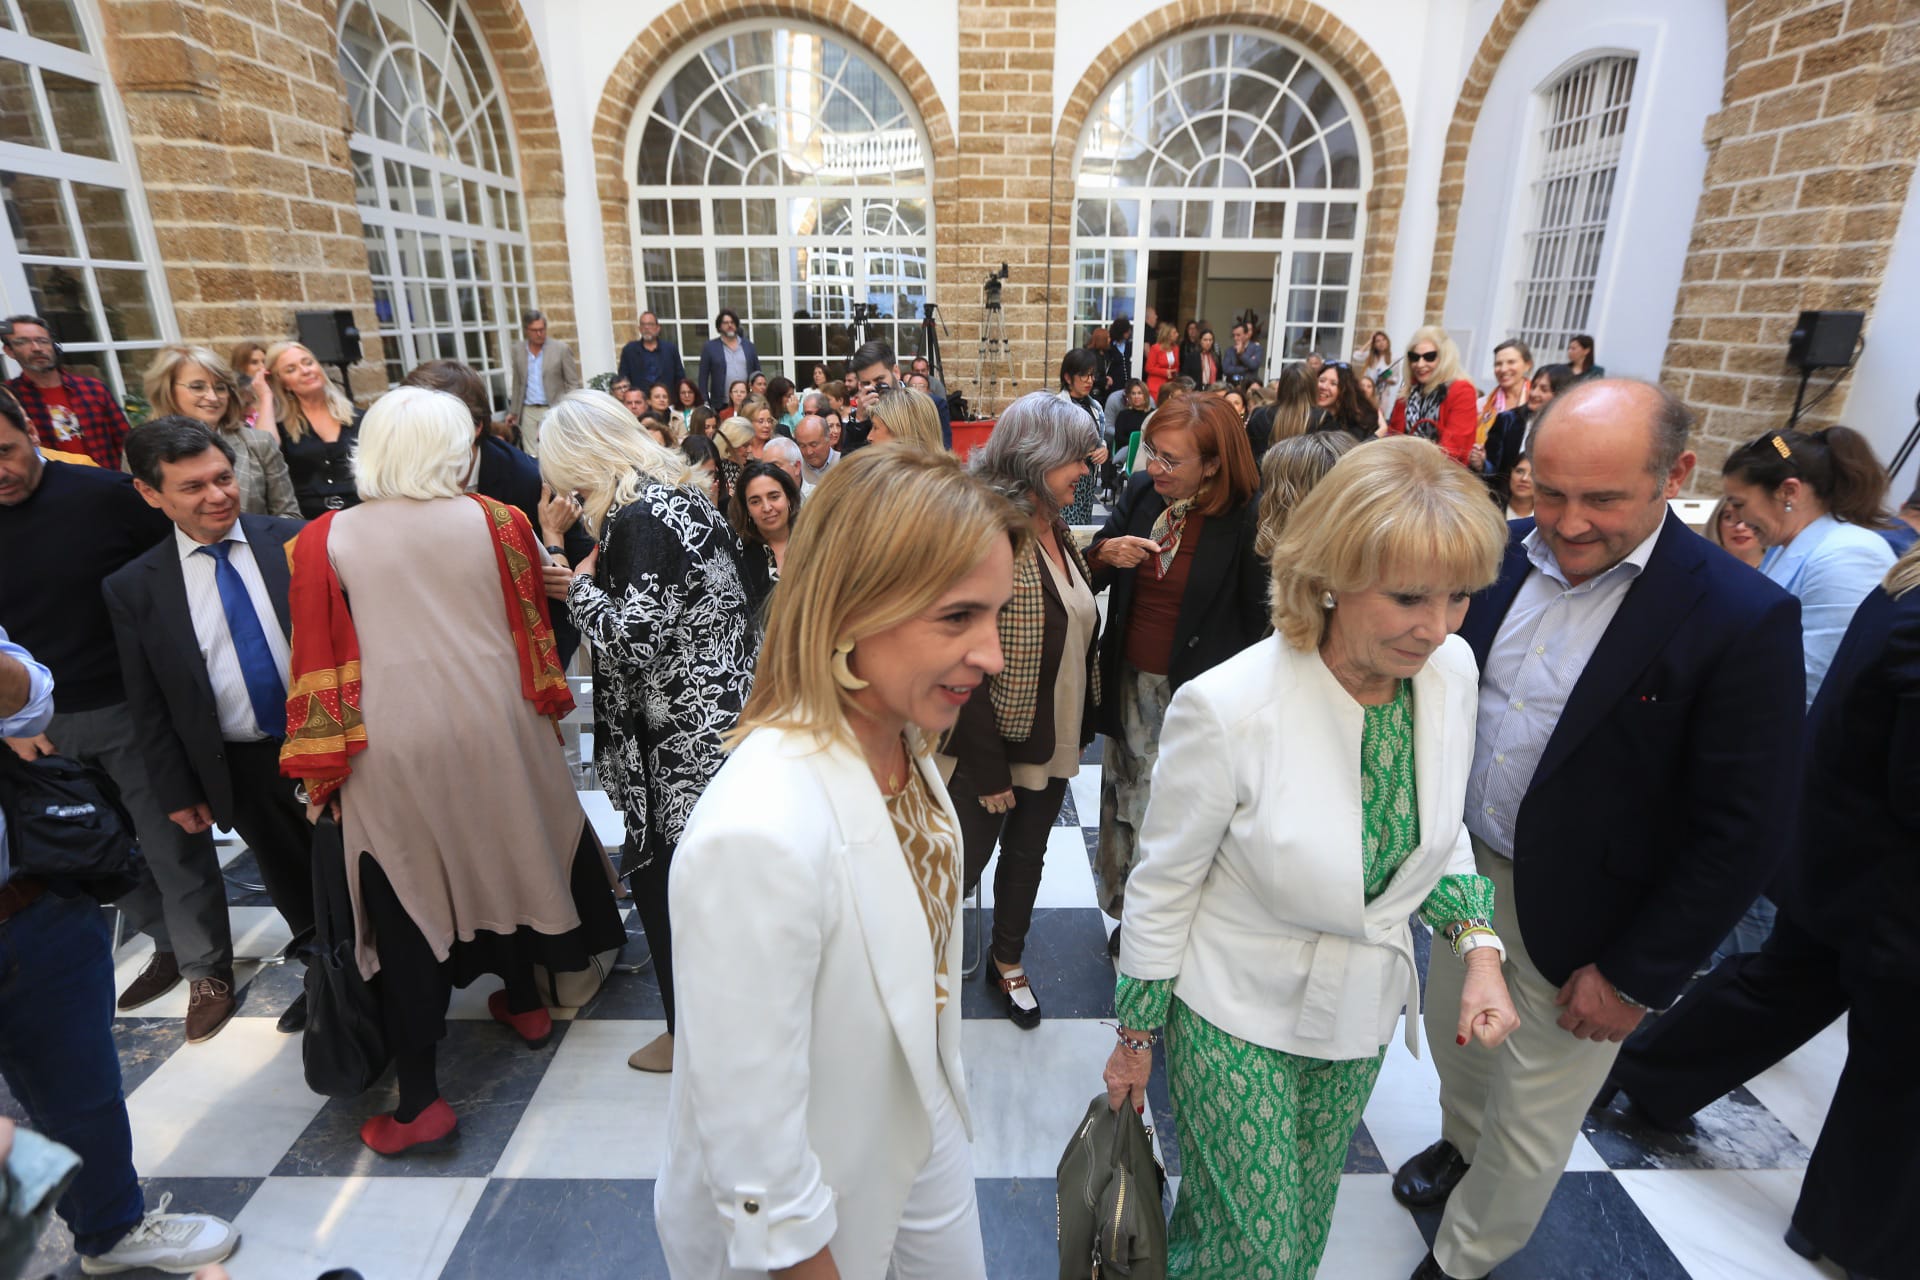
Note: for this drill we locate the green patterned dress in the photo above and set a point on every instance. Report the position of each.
(1264, 1134)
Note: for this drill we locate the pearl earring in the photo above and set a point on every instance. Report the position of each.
(1326, 599)
(1789, 504)
(842, 673)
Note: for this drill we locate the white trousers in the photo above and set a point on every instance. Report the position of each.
(531, 416)
(940, 1227)
(1512, 1112)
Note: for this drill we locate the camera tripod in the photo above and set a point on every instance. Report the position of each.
(930, 325)
(993, 366)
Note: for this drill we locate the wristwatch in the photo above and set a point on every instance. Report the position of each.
(1476, 940)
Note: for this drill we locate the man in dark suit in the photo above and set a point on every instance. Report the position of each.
(1639, 703)
(505, 474)
(651, 359)
(201, 624)
(727, 358)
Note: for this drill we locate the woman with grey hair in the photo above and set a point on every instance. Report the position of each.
(1019, 738)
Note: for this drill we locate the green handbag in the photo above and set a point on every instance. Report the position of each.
(1107, 1194)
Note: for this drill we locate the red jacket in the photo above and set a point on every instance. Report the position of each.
(1459, 420)
(1160, 367)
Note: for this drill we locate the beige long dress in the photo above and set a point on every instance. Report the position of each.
(462, 796)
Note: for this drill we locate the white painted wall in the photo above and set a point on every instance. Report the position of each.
(1880, 402)
(1681, 45)
(581, 41)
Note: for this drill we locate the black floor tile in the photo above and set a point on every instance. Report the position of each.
(628, 995)
(487, 1075)
(1735, 1132)
(1066, 961)
(271, 990)
(582, 1229)
(1018, 1221)
(1592, 1230)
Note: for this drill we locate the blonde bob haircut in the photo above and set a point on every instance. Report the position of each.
(885, 535)
(286, 405)
(591, 445)
(1450, 370)
(732, 437)
(912, 418)
(414, 443)
(167, 364)
(1289, 470)
(1396, 512)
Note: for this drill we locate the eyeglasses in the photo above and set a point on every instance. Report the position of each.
(1422, 357)
(1157, 459)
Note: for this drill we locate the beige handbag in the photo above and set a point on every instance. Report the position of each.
(571, 990)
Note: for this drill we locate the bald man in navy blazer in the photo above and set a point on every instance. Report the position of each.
(1639, 722)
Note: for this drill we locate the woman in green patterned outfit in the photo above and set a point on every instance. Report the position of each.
(1308, 799)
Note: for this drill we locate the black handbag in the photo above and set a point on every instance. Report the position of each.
(344, 1049)
(67, 827)
(1107, 1199)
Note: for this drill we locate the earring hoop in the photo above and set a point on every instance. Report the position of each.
(842, 673)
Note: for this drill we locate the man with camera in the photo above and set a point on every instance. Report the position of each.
(56, 1039)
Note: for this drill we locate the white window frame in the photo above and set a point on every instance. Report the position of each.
(118, 360)
(1548, 311)
(855, 250)
(507, 255)
(1294, 240)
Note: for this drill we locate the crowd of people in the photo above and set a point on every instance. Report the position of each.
(1364, 657)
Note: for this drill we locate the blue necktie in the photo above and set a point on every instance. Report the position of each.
(265, 689)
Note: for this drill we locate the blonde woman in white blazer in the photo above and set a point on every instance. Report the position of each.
(1307, 800)
(818, 1125)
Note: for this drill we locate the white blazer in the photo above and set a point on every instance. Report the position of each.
(1249, 891)
(807, 1057)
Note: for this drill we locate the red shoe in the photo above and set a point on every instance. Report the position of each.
(431, 1130)
(534, 1026)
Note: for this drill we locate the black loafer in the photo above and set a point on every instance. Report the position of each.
(1429, 1269)
(1426, 1181)
(294, 1020)
(1636, 1113)
(1025, 1019)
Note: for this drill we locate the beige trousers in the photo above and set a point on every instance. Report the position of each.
(1513, 1112)
(531, 416)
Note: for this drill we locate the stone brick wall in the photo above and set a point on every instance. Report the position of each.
(238, 118)
(1812, 154)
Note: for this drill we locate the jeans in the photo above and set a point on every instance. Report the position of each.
(58, 1057)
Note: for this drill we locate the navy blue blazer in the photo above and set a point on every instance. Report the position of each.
(713, 369)
(1660, 808)
(169, 694)
(641, 367)
(1854, 877)
(510, 476)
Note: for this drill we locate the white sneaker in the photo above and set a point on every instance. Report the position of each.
(177, 1243)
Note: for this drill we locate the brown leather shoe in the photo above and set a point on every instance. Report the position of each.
(210, 1005)
(154, 981)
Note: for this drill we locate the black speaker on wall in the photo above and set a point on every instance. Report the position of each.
(330, 335)
(1825, 339)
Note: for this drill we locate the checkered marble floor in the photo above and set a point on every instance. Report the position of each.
(552, 1175)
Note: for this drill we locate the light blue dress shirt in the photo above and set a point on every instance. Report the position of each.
(1830, 566)
(29, 720)
(536, 377)
(1538, 655)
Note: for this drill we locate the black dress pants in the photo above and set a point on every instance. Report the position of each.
(1860, 1202)
(273, 822)
(1022, 836)
(649, 886)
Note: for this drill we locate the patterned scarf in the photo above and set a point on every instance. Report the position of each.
(324, 725)
(1423, 411)
(1023, 630)
(1167, 527)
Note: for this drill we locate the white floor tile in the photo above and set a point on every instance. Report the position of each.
(228, 1108)
(385, 1228)
(1085, 788)
(1066, 880)
(1403, 1115)
(257, 931)
(1799, 1090)
(593, 1116)
(1725, 1224)
(608, 825)
(1028, 1090)
(1372, 1236)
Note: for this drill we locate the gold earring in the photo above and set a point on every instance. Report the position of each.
(843, 674)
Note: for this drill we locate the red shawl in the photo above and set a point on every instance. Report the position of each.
(324, 726)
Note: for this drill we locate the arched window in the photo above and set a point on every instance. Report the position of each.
(438, 186)
(79, 249)
(1583, 124)
(1224, 142)
(781, 174)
